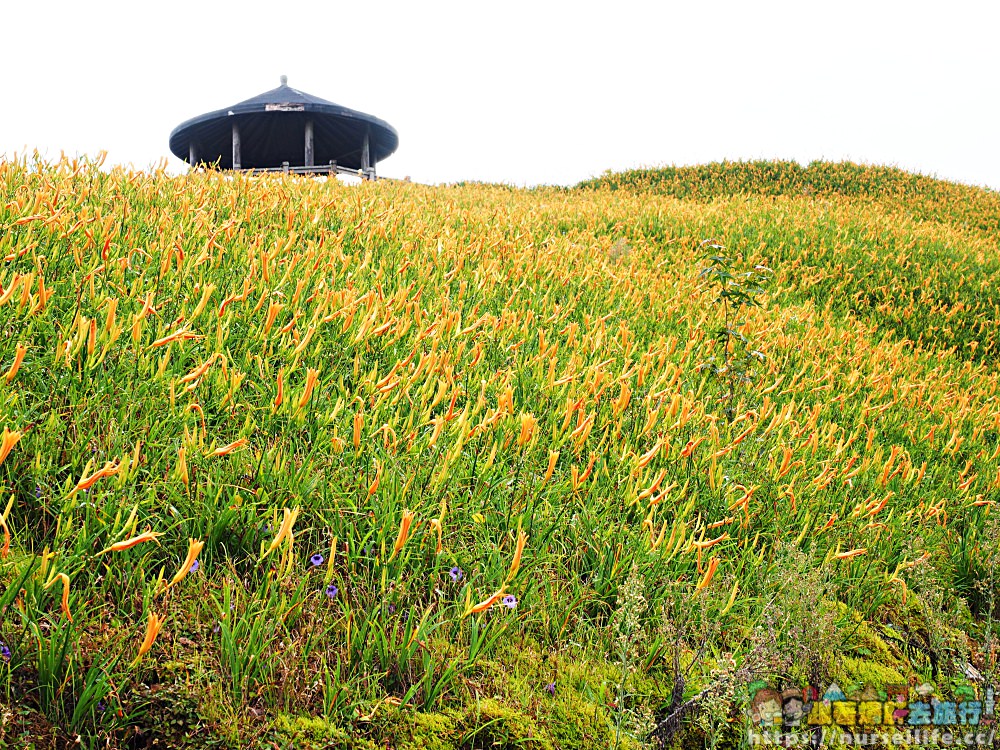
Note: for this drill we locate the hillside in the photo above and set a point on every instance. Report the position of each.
(917, 195)
(468, 467)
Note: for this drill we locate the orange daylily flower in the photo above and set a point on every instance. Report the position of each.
(739, 439)
(229, 448)
(18, 359)
(436, 525)
(7, 441)
(272, 314)
(744, 501)
(65, 592)
(913, 563)
(852, 553)
(200, 370)
(5, 550)
(194, 548)
(146, 536)
(712, 542)
(691, 445)
(648, 492)
(893, 453)
(375, 482)
(284, 531)
(786, 461)
(92, 337)
(649, 455)
(358, 422)
(108, 470)
(281, 388)
(404, 532)
(153, 626)
(485, 604)
(182, 471)
(312, 377)
(181, 335)
(43, 296)
(553, 457)
(515, 564)
(528, 423)
(438, 423)
(713, 564)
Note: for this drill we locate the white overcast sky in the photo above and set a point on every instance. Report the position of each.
(525, 92)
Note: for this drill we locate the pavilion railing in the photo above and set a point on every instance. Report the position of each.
(317, 169)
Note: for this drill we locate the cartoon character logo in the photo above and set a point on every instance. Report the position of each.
(766, 708)
(793, 708)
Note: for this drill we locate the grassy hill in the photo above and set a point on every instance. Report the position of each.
(468, 467)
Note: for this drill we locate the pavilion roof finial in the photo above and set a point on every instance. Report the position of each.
(284, 80)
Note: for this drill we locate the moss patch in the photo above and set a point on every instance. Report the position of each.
(314, 733)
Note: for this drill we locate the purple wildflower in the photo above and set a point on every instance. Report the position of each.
(316, 559)
(456, 574)
(4, 651)
(551, 687)
(332, 591)
(38, 491)
(194, 566)
(509, 601)
(392, 609)
(101, 707)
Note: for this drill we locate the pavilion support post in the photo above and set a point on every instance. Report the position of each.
(237, 161)
(365, 155)
(284, 167)
(192, 154)
(309, 143)
(333, 168)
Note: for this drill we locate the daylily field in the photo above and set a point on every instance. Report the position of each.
(293, 463)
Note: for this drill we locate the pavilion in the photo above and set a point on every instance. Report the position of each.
(288, 130)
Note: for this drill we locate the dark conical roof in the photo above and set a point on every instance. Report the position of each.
(271, 132)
